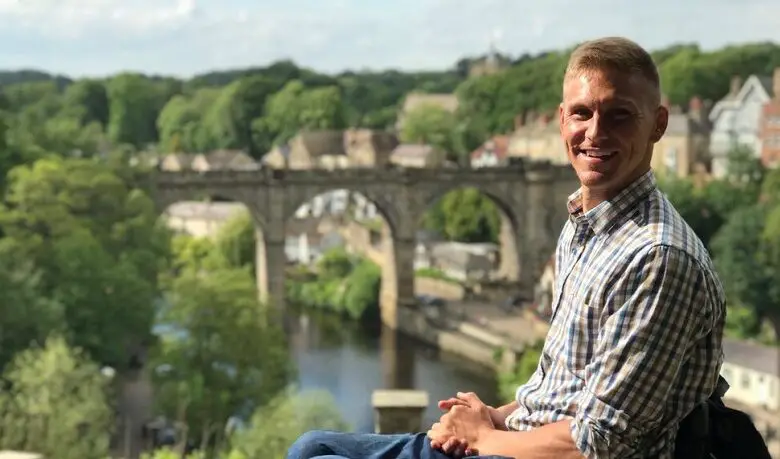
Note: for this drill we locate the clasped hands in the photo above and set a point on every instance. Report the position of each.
(466, 418)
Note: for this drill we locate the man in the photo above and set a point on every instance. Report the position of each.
(635, 338)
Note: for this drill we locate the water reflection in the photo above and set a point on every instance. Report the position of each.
(351, 361)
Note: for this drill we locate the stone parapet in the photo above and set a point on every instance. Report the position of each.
(398, 411)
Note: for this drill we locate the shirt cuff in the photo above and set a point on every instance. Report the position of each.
(602, 432)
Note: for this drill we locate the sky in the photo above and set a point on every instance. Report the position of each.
(186, 37)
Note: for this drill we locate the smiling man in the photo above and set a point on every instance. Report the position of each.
(635, 338)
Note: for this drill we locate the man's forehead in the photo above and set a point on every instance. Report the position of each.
(605, 86)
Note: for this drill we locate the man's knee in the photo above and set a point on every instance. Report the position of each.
(312, 444)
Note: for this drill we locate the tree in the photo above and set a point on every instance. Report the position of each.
(509, 381)
(134, 105)
(56, 404)
(362, 291)
(27, 316)
(87, 100)
(236, 241)
(465, 215)
(431, 125)
(275, 426)
(98, 246)
(296, 107)
(698, 207)
(747, 273)
(224, 352)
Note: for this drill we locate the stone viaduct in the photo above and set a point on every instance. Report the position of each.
(531, 197)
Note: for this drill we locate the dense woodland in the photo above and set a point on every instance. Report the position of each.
(88, 271)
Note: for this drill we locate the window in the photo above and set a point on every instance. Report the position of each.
(745, 380)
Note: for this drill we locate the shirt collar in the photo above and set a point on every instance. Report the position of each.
(604, 215)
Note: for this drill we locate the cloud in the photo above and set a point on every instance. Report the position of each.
(184, 36)
(77, 18)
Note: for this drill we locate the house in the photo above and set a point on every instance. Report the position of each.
(322, 149)
(223, 160)
(491, 153)
(278, 157)
(538, 138)
(684, 148)
(301, 241)
(369, 148)
(415, 100)
(753, 372)
(770, 125)
(417, 155)
(463, 261)
(423, 252)
(736, 120)
(201, 219)
(334, 202)
(176, 162)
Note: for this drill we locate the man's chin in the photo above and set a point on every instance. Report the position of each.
(593, 179)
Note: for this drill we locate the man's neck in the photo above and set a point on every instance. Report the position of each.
(592, 198)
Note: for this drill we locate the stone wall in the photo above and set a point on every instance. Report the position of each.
(440, 288)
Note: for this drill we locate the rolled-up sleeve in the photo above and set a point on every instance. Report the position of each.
(654, 311)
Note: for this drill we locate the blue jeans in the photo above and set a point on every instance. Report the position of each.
(340, 445)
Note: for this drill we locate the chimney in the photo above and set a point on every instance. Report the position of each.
(736, 85)
(776, 83)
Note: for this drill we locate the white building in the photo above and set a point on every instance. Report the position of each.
(753, 372)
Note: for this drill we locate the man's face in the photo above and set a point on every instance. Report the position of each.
(609, 124)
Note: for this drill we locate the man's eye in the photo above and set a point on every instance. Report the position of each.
(621, 115)
(580, 114)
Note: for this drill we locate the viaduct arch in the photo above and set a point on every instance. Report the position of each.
(531, 197)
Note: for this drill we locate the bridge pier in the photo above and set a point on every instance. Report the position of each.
(397, 360)
(270, 262)
(509, 240)
(397, 277)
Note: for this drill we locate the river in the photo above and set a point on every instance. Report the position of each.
(350, 361)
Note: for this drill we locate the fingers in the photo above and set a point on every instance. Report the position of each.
(446, 405)
(469, 398)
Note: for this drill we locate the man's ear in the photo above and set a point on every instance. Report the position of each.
(560, 118)
(661, 123)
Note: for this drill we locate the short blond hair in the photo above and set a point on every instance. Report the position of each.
(616, 54)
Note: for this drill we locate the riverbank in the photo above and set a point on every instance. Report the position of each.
(494, 340)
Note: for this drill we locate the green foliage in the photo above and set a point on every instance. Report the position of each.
(274, 427)
(465, 215)
(57, 404)
(236, 241)
(223, 351)
(509, 381)
(27, 316)
(341, 283)
(434, 273)
(432, 125)
(96, 244)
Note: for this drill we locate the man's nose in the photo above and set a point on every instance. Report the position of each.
(596, 130)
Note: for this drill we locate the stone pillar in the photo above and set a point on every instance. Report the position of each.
(397, 360)
(539, 235)
(398, 411)
(509, 267)
(397, 276)
(270, 261)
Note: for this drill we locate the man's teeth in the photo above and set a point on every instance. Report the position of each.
(598, 154)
